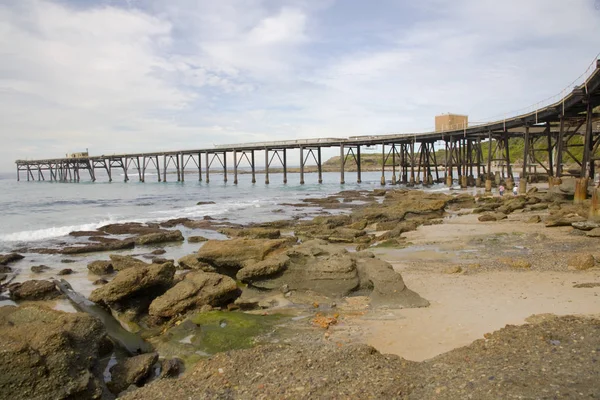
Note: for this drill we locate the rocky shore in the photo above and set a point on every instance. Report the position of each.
(294, 299)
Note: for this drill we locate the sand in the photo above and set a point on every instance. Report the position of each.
(465, 306)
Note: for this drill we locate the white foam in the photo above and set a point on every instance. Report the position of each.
(53, 232)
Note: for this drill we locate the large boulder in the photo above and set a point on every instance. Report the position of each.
(387, 286)
(263, 269)
(154, 278)
(100, 267)
(191, 261)
(132, 371)
(49, 354)
(121, 263)
(316, 267)
(194, 291)
(581, 262)
(5, 259)
(33, 290)
(159, 237)
(237, 253)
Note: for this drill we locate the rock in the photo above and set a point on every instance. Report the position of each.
(586, 225)
(387, 286)
(263, 269)
(33, 290)
(534, 219)
(566, 220)
(520, 264)
(196, 239)
(171, 368)
(49, 354)
(67, 261)
(197, 289)
(65, 271)
(135, 281)
(86, 233)
(593, 233)
(581, 262)
(159, 237)
(191, 261)
(201, 203)
(132, 371)
(252, 233)
(100, 267)
(174, 222)
(3, 277)
(568, 185)
(6, 259)
(158, 252)
(100, 282)
(345, 235)
(96, 247)
(237, 253)
(38, 269)
(5, 269)
(121, 263)
(532, 190)
(492, 217)
(538, 206)
(455, 269)
(129, 228)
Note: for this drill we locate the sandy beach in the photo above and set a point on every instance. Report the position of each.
(486, 295)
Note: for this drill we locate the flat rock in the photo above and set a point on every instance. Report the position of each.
(197, 289)
(159, 237)
(132, 371)
(252, 233)
(534, 219)
(38, 269)
(593, 233)
(33, 290)
(566, 220)
(134, 281)
(97, 247)
(586, 225)
(196, 239)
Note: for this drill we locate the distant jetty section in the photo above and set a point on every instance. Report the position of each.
(550, 134)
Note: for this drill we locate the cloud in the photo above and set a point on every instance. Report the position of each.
(118, 76)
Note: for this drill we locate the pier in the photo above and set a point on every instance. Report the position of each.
(571, 122)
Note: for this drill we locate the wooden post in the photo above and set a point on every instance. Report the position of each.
(177, 166)
(284, 166)
(342, 162)
(182, 168)
(235, 167)
(523, 178)
(559, 147)
(358, 165)
(550, 161)
(253, 167)
(224, 166)
(488, 178)
(266, 166)
(393, 164)
(301, 165)
(587, 166)
(207, 168)
(319, 167)
(412, 164)
(158, 169)
(199, 167)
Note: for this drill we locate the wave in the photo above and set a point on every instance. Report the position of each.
(50, 233)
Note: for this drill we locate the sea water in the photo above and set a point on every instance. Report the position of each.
(42, 213)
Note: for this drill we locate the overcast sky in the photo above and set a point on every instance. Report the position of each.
(144, 75)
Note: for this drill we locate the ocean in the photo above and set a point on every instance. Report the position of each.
(42, 213)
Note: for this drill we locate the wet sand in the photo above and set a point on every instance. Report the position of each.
(480, 299)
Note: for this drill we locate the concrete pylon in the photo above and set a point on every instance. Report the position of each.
(581, 185)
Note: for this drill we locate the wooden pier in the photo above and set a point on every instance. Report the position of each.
(556, 129)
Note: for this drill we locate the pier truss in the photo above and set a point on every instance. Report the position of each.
(566, 132)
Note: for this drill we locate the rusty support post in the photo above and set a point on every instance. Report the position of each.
(199, 167)
(182, 168)
(587, 165)
(412, 163)
(253, 166)
(595, 206)
(164, 168)
(559, 148)
(358, 165)
(235, 167)
(383, 164)
(266, 166)
(301, 165)
(393, 164)
(523, 177)
(224, 166)
(284, 166)
(319, 167)
(207, 168)
(177, 166)
(342, 163)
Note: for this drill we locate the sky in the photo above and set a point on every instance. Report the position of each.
(116, 76)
